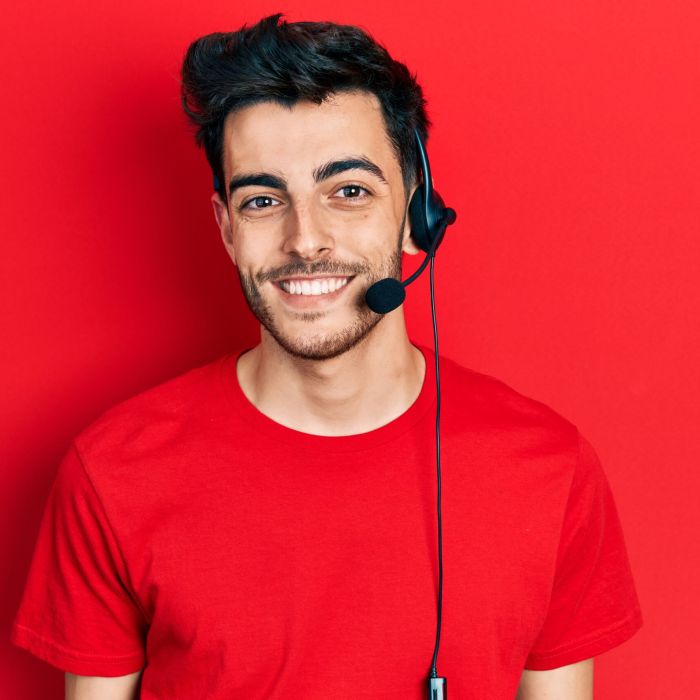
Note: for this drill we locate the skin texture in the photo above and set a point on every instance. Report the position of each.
(101, 688)
(325, 366)
(573, 682)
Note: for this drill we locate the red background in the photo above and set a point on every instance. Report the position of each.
(566, 136)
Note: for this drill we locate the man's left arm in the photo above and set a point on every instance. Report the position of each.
(572, 682)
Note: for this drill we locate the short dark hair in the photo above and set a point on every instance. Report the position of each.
(285, 62)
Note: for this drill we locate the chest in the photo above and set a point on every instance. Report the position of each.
(325, 569)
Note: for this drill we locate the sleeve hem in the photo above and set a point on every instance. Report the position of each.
(587, 648)
(76, 662)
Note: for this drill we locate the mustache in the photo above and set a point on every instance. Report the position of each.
(324, 267)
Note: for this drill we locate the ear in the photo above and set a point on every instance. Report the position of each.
(408, 245)
(224, 224)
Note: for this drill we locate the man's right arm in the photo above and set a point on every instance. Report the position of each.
(103, 687)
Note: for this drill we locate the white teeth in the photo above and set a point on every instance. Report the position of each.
(313, 287)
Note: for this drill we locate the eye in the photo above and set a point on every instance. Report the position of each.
(354, 192)
(260, 202)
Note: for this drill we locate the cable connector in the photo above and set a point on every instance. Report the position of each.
(437, 688)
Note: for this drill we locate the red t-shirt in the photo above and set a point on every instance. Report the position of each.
(228, 556)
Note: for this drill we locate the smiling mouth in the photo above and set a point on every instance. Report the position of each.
(312, 286)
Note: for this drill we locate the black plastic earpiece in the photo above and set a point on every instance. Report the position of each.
(426, 210)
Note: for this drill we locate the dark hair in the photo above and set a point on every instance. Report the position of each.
(285, 62)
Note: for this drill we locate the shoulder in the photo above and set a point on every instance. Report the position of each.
(153, 418)
(521, 444)
(489, 409)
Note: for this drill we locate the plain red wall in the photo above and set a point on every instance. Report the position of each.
(566, 136)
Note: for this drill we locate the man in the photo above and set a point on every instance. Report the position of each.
(264, 526)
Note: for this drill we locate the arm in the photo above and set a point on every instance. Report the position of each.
(573, 682)
(102, 687)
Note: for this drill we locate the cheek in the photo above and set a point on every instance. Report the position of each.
(255, 247)
(372, 233)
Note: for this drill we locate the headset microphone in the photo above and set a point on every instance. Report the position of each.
(389, 293)
(429, 219)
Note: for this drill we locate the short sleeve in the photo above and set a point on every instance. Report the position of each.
(76, 611)
(594, 605)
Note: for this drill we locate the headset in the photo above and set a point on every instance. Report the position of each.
(429, 218)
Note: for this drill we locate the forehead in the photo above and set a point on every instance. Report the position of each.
(271, 136)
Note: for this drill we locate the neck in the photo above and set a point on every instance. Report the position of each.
(364, 388)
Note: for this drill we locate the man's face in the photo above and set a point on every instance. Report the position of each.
(316, 214)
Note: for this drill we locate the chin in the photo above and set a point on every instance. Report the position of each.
(325, 346)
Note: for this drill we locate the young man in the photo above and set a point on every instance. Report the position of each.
(264, 526)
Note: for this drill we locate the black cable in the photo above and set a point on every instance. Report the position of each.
(433, 668)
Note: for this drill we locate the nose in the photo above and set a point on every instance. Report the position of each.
(306, 235)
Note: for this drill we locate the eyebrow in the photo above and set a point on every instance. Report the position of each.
(261, 179)
(334, 167)
(323, 172)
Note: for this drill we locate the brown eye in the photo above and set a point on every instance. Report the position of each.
(261, 202)
(353, 192)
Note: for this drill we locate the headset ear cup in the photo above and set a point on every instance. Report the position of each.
(416, 215)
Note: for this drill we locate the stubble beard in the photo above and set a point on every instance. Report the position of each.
(326, 345)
